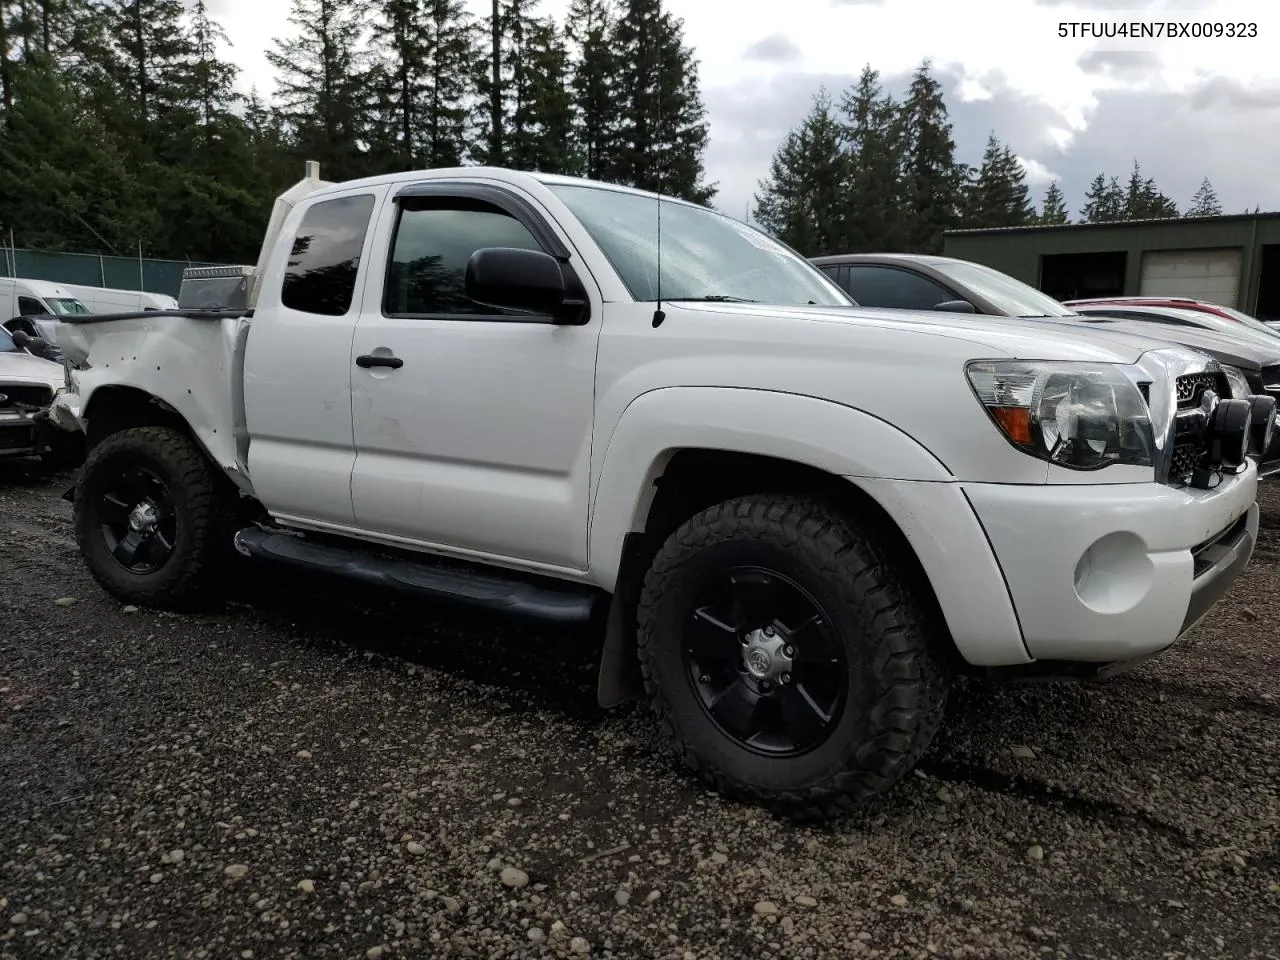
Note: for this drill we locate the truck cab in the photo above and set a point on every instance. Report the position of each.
(793, 520)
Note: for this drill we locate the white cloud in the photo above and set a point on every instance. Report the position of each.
(1037, 173)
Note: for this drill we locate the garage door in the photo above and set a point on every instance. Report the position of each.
(1210, 275)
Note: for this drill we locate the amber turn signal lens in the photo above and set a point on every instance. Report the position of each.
(1015, 422)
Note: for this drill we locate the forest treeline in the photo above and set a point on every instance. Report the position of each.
(121, 120)
(867, 171)
(122, 125)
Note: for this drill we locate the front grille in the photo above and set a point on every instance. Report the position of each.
(1191, 387)
(1189, 450)
(17, 395)
(1186, 457)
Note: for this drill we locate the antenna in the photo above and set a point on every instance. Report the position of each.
(658, 314)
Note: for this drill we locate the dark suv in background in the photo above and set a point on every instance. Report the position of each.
(908, 281)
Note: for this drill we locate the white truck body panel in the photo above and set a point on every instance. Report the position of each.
(534, 446)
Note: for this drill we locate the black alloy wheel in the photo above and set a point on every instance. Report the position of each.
(138, 521)
(153, 518)
(788, 652)
(761, 655)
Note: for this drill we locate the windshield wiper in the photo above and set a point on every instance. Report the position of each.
(716, 298)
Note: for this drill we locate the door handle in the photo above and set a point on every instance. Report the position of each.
(369, 360)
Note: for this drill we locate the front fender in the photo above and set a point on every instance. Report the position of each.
(656, 425)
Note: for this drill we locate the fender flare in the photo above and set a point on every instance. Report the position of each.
(840, 440)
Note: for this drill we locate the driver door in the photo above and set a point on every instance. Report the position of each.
(473, 425)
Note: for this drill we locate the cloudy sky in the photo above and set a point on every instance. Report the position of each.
(1184, 108)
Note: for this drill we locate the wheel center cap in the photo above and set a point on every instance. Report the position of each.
(766, 655)
(142, 518)
(759, 662)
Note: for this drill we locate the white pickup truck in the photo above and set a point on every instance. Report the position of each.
(796, 519)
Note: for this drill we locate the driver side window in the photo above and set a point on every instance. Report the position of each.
(893, 288)
(433, 242)
(30, 307)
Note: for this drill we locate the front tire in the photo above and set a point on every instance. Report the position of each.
(787, 658)
(149, 517)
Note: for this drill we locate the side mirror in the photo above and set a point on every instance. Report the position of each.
(527, 280)
(955, 306)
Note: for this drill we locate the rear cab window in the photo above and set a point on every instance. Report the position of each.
(324, 261)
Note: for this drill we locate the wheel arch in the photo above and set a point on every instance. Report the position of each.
(690, 480)
(113, 407)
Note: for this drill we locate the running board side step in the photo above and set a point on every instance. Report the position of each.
(492, 590)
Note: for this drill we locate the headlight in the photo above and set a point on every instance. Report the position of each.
(1238, 382)
(1084, 416)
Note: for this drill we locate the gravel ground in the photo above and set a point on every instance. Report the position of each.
(305, 772)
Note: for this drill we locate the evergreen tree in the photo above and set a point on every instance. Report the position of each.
(156, 55)
(541, 136)
(1205, 203)
(997, 195)
(933, 181)
(1104, 201)
(803, 201)
(1143, 201)
(873, 135)
(595, 86)
(212, 80)
(1054, 208)
(323, 83)
(502, 82)
(397, 34)
(63, 182)
(451, 50)
(664, 128)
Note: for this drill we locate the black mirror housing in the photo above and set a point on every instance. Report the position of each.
(955, 306)
(515, 279)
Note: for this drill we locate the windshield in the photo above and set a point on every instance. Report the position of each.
(705, 255)
(1011, 296)
(65, 305)
(6, 342)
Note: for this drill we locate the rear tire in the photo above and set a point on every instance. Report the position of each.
(823, 710)
(151, 517)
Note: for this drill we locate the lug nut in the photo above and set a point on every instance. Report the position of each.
(768, 631)
(764, 684)
(788, 652)
(785, 678)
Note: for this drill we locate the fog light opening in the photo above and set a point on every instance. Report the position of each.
(1115, 574)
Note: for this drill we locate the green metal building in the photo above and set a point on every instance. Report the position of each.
(1230, 260)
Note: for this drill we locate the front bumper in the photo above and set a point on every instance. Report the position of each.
(1105, 573)
(17, 435)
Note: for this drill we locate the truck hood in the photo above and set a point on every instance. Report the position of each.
(1011, 336)
(25, 367)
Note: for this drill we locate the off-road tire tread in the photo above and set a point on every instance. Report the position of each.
(206, 520)
(910, 674)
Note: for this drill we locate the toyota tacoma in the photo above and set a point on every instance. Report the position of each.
(794, 520)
